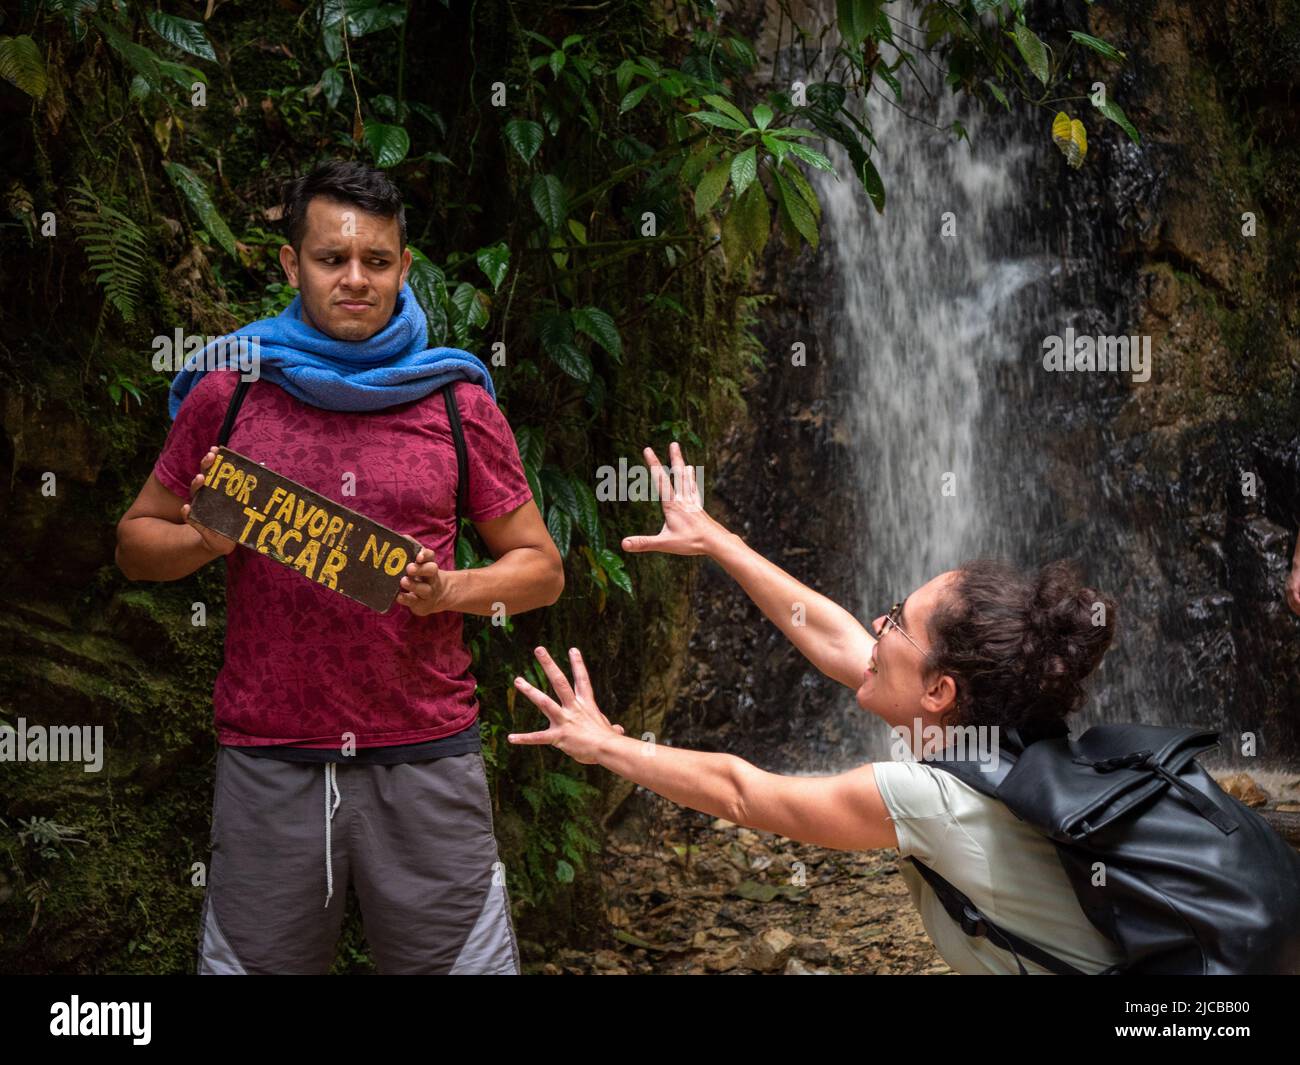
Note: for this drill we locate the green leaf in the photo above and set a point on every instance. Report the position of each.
(1116, 114)
(713, 118)
(598, 325)
(634, 97)
(710, 188)
(525, 137)
(1097, 45)
(698, 160)
(332, 85)
(21, 64)
(998, 94)
(548, 199)
(468, 301)
(535, 486)
(563, 872)
(571, 359)
(744, 168)
(494, 261)
(762, 116)
(613, 566)
(812, 157)
(747, 224)
(870, 177)
(143, 60)
(729, 109)
(559, 489)
(796, 210)
(388, 144)
(1032, 50)
(795, 176)
(429, 284)
(855, 19)
(196, 192)
(560, 526)
(528, 438)
(184, 33)
(588, 516)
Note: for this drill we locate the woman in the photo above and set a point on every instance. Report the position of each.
(981, 645)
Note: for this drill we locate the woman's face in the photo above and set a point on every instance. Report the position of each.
(894, 682)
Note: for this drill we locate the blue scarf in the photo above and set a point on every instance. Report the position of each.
(393, 366)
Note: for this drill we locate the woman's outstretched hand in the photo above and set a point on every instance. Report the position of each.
(687, 530)
(576, 724)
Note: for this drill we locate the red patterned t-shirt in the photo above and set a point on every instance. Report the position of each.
(303, 664)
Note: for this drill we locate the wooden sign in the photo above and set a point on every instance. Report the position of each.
(326, 542)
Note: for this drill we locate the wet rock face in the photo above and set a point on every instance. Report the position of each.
(784, 481)
(1180, 495)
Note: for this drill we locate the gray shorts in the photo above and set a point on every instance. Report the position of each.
(415, 840)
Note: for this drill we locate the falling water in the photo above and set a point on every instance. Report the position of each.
(936, 303)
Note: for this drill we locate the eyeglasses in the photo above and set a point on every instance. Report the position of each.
(891, 622)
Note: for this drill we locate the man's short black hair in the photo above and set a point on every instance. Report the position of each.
(348, 182)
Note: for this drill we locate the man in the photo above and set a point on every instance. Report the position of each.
(349, 742)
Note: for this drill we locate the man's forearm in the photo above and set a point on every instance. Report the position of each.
(524, 578)
(829, 636)
(154, 549)
(698, 779)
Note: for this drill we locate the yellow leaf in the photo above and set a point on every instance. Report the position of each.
(1070, 136)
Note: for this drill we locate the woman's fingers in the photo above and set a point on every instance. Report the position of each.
(527, 738)
(538, 698)
(660, 476)
(581, 680)
(559, 682)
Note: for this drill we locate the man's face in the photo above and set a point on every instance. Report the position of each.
(349, 269)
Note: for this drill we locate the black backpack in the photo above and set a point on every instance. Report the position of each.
(1195, 882)
(453, 417)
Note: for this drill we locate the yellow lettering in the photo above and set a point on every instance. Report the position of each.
(252, 517)
(314, 527)
(371, 546)
(250, 482)
(219, 470)
(303, 515)
(336, 523)
(285, 513)
(395, 562)
(306, 560)
(234, 482)
(333, 563)
(266, 534)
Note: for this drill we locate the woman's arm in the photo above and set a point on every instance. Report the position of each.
(845, 811)
(829, 636)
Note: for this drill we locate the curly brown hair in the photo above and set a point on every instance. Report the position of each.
(1019, 645)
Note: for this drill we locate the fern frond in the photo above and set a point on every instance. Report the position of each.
(116, 248)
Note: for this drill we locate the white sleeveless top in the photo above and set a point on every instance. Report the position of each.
(1006, 867)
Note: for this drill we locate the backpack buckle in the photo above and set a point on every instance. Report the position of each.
(972, 922)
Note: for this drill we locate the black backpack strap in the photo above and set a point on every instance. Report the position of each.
(462, 456)
(971, 921)
(236, 400)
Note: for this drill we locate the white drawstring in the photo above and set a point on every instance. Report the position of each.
(330, 781)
